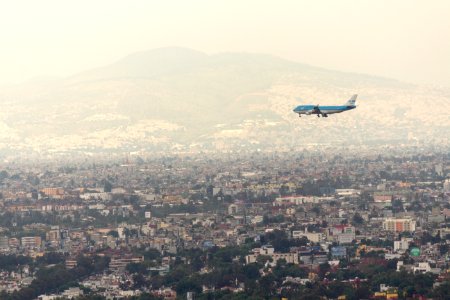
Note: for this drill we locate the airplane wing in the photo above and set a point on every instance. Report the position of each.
(316, 109)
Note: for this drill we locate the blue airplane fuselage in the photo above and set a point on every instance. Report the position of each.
(304, 109)
(325, 110)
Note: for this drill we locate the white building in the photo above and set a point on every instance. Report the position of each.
(298, 200)
(315, 237)
(422, 267)
(401, 246)
(347, 192)
(96, 196)
(447, 186)
(268, 250)
(345, 238)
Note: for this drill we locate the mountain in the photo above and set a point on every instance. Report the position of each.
(177, 99)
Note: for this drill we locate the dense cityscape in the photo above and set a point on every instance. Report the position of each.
(225, 150)
(311, 224)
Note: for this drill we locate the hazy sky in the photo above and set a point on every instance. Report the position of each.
(408, 40)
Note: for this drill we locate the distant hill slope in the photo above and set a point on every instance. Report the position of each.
(179, 99)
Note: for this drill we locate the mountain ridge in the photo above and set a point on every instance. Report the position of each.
(177, 98)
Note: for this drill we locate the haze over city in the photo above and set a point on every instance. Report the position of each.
(226, 150)
(404, 40)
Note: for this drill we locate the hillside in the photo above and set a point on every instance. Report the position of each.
(176, 99)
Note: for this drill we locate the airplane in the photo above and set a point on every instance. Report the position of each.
(324, 111)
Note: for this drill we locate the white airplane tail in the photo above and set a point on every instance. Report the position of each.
(351, 101)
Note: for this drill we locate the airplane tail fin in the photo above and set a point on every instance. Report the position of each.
(351, 101)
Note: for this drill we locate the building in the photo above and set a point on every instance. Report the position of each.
(447, 186)
(4, 243)
(70, 293)
(53, 192)
(268, 250)
(291, 211)
(233, 209)
(31, 241)
(338, 252)
(71, 263)
(297, 200)
(422, 267)
(14, 242)
(347, 192)
(345, 238)
(401, 246)
(120, 263)
(53, 235)
(315, 237)
(343, 234)
(399, 225)
(382, 198)
(104, 196)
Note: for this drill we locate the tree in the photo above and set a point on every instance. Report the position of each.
(443, 248)
(3, 175)
(113, 233)
(91, 297)
(397, 205)
(324, 268)
(139, 281)
(136, 268)
(51, 258)
(266, 287)
(357, 220)
(251, 271)
(101, 263)
(442, 291)
(146, 296)
(188, 285)
(107, 187)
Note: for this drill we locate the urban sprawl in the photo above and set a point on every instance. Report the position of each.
(331, 224)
